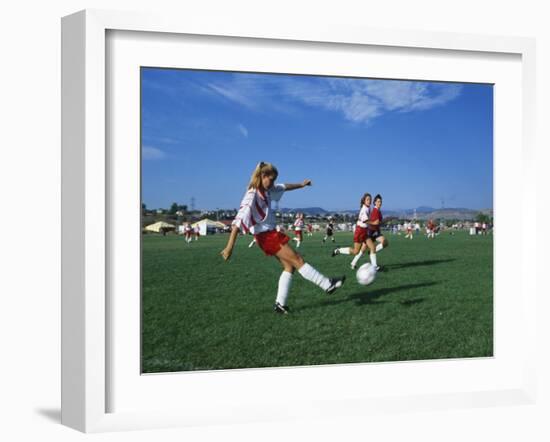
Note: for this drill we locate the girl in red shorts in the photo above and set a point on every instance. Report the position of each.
(360, 234)
(255, 216)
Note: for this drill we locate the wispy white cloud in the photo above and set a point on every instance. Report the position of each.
(243, 130)
(233, 94)
(162, 140)
(152, 153)
(363, 100)
(356, 100)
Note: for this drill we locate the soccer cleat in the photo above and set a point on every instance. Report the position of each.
(335, 283)
(353, 266)
(335, 252)
(281, 309)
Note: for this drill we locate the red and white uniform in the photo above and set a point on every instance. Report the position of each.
(187, 231)
(375, 215)
(360, 234)
(298, 227)
(256, 216)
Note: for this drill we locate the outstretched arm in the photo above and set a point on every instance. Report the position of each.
(297, 186)
(226, 253)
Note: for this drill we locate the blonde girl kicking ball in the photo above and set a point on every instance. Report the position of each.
(255, 215)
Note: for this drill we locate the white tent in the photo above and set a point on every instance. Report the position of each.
(159, 227)
(206, 225)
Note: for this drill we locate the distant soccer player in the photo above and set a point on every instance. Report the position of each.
(329, 231)
(409, 227)
(375, 239)
(255, 215)
(309, 230)
(360, 234)
(298, 227)
(187, 231)
(197, 232)
(430, 229)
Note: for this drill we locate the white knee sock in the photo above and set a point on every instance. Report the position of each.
(380, 246)
(344, 250)
(309, 273)
(285, 281)
(373, 259)
(356, 258)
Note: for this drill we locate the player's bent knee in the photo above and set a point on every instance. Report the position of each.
(298, 261)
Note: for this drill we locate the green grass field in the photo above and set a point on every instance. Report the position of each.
(433, 300)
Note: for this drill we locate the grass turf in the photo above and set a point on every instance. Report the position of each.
(433, 300)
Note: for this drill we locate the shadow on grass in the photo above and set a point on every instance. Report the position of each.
(365, 298)
(371, 296)
(429, 262)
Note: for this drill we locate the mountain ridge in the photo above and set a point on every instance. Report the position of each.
(422, 212)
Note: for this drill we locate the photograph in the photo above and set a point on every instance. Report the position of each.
(303, 220)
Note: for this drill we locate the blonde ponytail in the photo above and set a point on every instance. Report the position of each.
(262, 169)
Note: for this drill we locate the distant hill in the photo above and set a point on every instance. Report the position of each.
(424, 209)
(459, 213)
(422, 212)
(306, 210)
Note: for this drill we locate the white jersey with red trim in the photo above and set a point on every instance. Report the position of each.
(364, 215)
(255, 214)
(298, 224)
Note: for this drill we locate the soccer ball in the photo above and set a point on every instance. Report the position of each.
(366, 274)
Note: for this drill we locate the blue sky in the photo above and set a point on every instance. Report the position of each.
(416, 143)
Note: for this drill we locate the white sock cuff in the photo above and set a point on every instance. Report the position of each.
(286, 275)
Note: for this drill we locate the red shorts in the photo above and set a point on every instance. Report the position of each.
(298, 233)
(271, 242)
(360, 234)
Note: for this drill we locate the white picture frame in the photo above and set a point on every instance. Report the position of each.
(86, 214)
